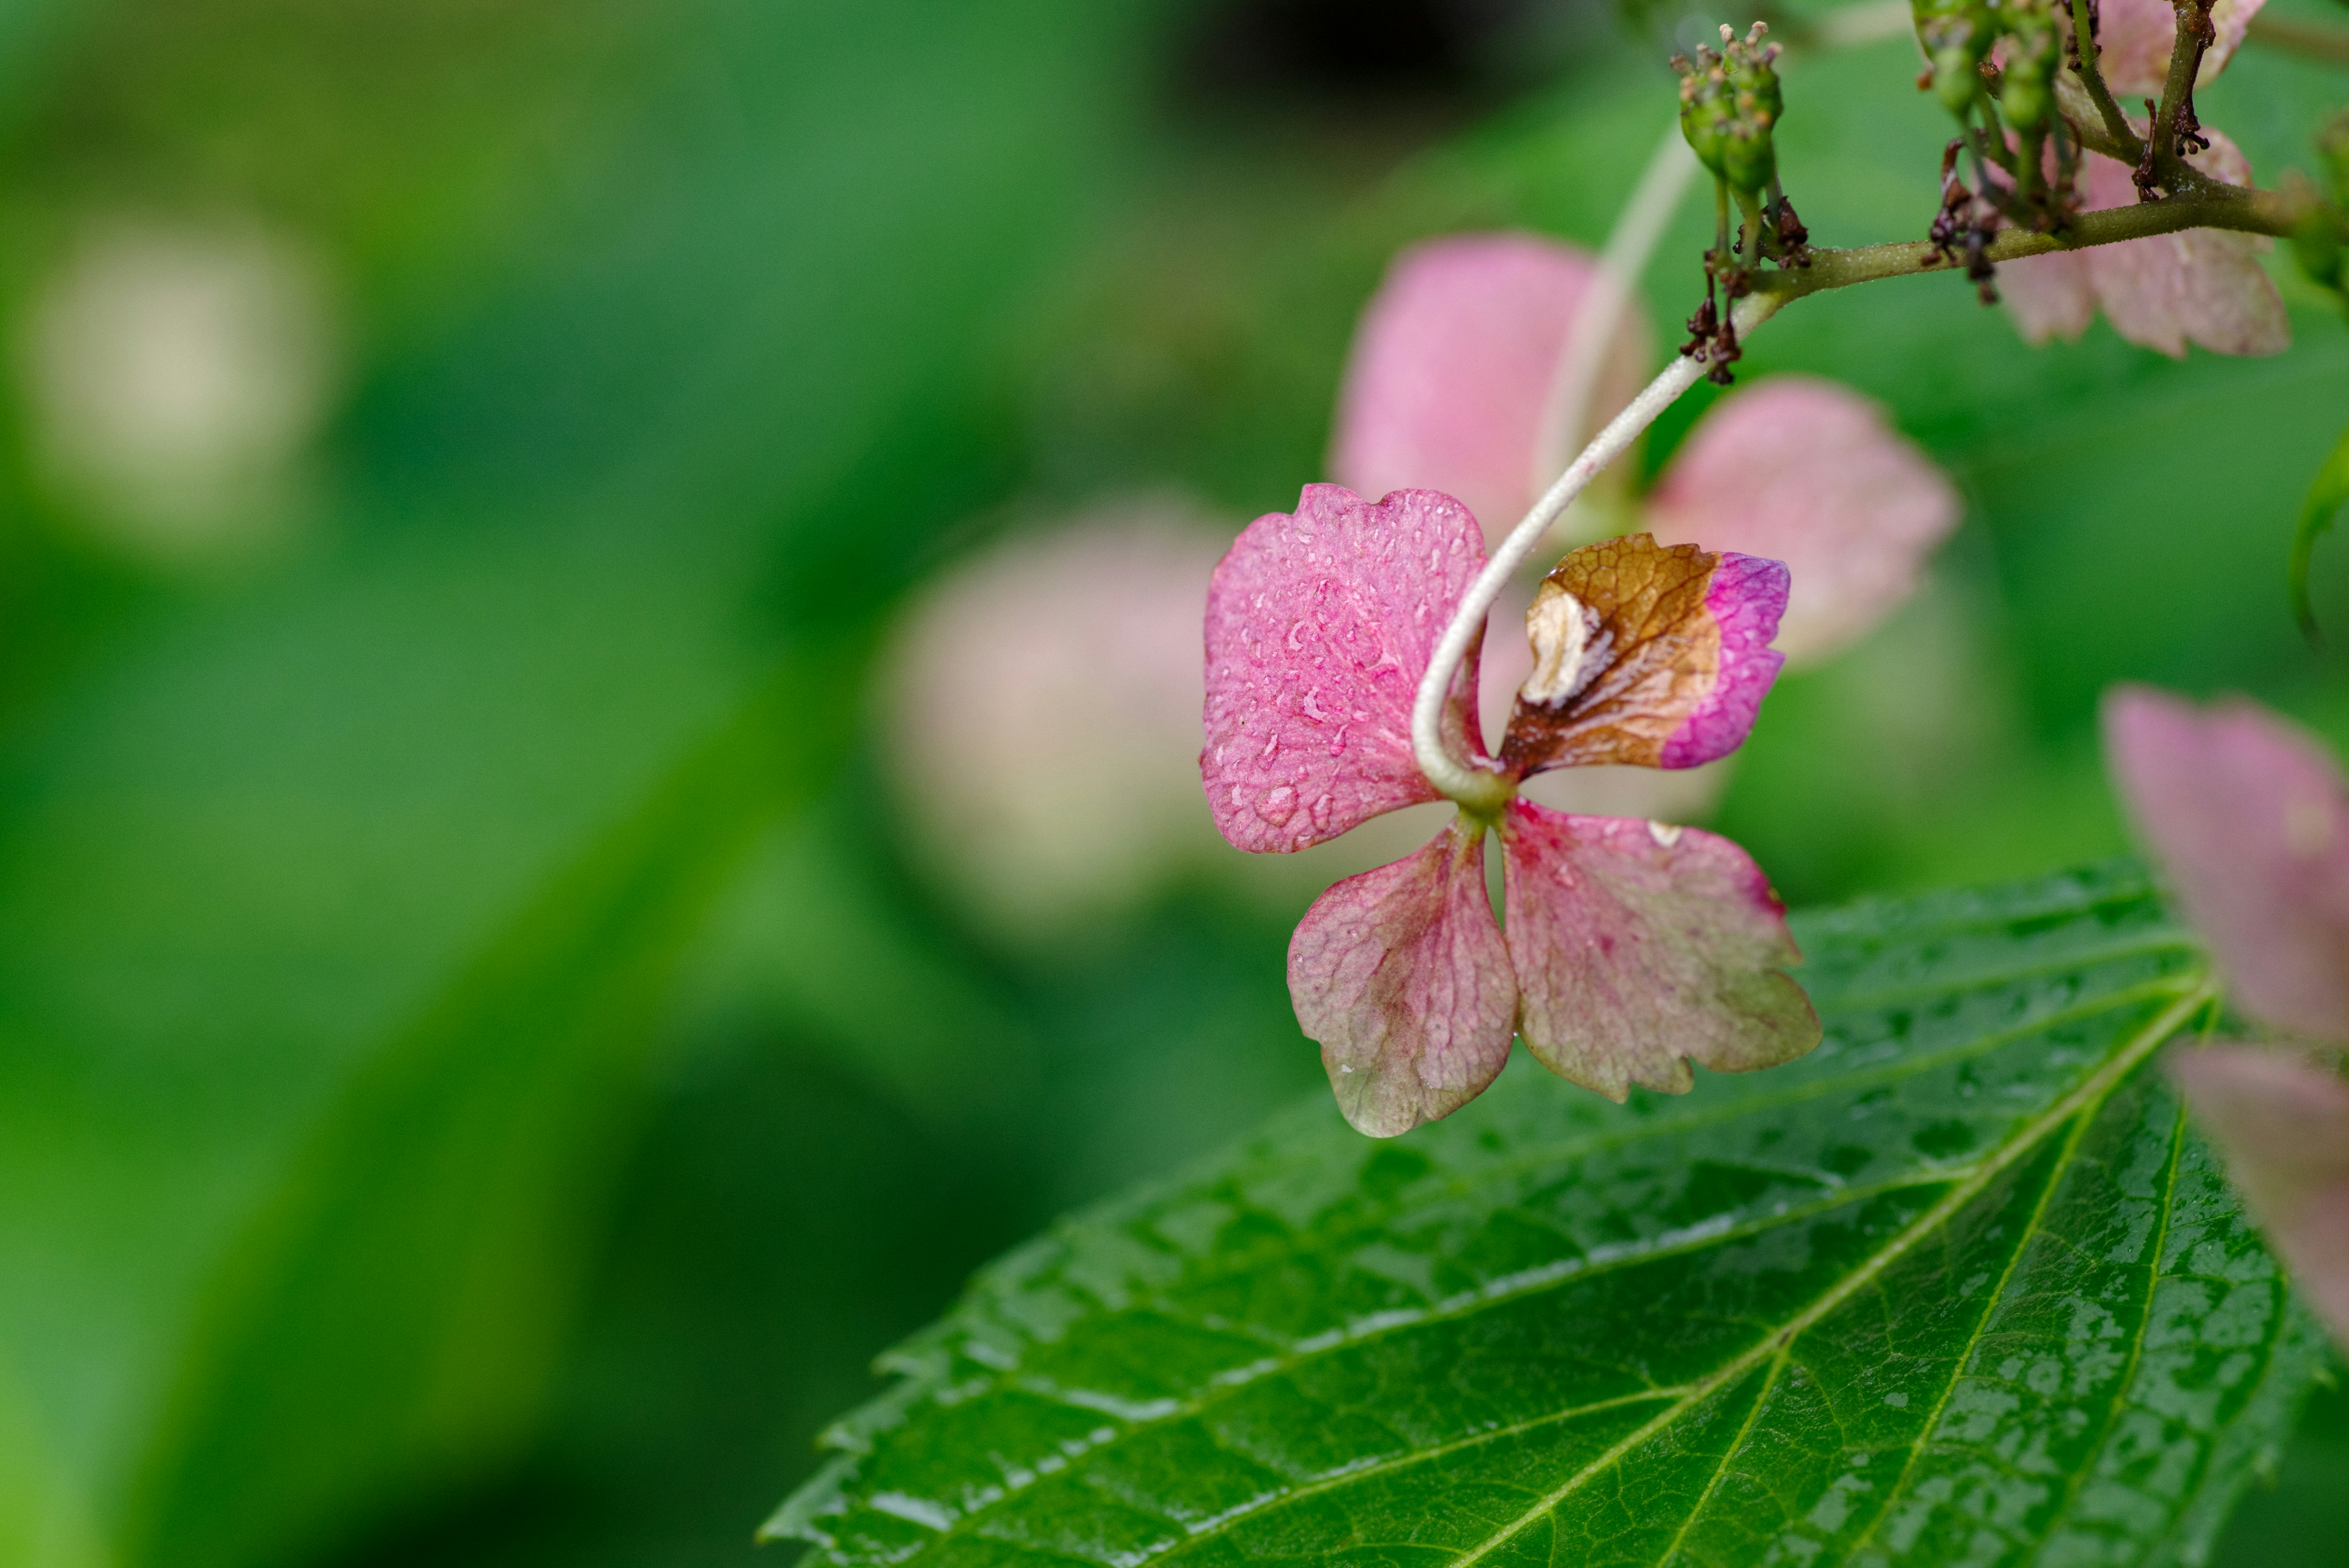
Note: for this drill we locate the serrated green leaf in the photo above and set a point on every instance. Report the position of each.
(1961, 1287)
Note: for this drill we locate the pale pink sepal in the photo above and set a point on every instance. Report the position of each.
(2282, 1124)
(2249, 819)
(1639, 948)
(1808, 473)
(2202, 286)
(2049, 296)
(2135, 39)
(1455, 367)
(1402, 977)
(1319, 624)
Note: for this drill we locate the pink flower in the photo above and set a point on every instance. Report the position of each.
(1450, 387)
(1454, 366)
(2203, 286)
(2133, 38)
(1630, 948)
(2251, 819)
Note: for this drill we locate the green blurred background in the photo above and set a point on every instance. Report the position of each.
(489, 1050)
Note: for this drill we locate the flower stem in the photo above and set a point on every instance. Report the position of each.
(1484, 791)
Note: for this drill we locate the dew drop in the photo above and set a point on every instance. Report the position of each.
(1278, 806)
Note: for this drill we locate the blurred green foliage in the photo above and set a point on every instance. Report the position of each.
(480, 1073)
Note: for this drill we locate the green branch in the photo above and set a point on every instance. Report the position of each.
(2216, 206)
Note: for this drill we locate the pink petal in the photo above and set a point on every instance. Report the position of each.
(1320, 625)
(1639, 948)
(1399, 973)
(1453, 369)
(2050, 296)
(2283, 1126)
(2135, 39)
(2249, 819)
(1675, 665)
(1043, 706)
(1803, 470)
(2204, 285)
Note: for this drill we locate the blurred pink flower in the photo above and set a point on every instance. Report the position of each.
(2251, 819)
(1042, 703)
(1631, 947)
(1450, 386)
(2133, 38)
(1454, 368)
(2203, 286)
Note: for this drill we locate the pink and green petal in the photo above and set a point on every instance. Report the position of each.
(2049, 296)
(1803, 470)
(2249, 819)
(1319, 624)
(1675, 662)
(1453, 369)
(2282, 1123)
(1639, 948)
(1402, 977)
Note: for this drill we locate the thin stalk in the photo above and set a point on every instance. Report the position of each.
(2117, 125)
(1483, 791)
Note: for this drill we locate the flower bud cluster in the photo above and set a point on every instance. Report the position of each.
(1729, 103)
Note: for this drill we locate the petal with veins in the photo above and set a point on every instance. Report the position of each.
(2283, 1125)
(2202, 285)
(1673, 662)
(2135, 39)
(1319, 624)
(1639, 948)
(2052, 295)
(1455, 367)
(1402, 977)
(2249, 819)
(1803, 470)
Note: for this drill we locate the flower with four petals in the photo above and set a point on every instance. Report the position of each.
(1628, 949)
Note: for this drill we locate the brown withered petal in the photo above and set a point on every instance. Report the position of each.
(1667, 666)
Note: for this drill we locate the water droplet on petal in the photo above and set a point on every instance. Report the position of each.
(1278, 806)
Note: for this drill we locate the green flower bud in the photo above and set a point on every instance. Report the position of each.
(1730, 102)
(2026, 93)
(1957, 36)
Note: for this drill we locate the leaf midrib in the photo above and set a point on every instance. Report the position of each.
(1965, 1183)
(2080, 1101)
(1468, 1184)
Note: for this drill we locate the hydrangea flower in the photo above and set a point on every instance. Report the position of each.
(2251, 819)
(2202, 285)
(1452, 385)
(1629, 948)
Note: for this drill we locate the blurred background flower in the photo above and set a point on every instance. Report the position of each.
(175, 374)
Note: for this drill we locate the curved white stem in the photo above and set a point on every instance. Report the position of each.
(1481, 789)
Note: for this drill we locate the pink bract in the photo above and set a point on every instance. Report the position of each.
(2283, 1125)
(2135, 39)
(1633, 947)
(1639, 948)
(1399, 973)
(1454, 366)
(2251, 820)
(1806, 471)
(2204, 285)
(1319, 624)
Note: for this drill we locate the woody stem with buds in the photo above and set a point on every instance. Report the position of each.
(1484, 791)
